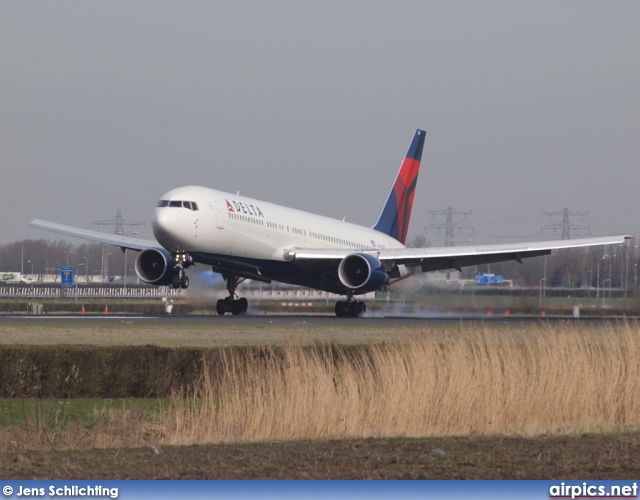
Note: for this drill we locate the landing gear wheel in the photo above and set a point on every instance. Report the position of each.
(175, 281)
(221, 307)
(184, 282)
(236, 308)
(230, 303)
(244, 304)
(350, 309)
(354, 309)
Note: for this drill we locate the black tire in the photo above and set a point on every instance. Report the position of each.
(221, 307)
(236, 308)
(354, 309)
(244, 304)
(363, 309)
(175, 281)
(340, 308)
(184, 282)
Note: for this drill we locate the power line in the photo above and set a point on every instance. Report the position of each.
(450, 227)
(566, 227)
(119, 222)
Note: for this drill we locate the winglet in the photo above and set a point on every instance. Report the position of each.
(394, 218)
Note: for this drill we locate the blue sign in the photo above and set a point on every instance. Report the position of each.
(66, 276)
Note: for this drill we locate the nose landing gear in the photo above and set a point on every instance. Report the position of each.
(183, 261)
(180, 280)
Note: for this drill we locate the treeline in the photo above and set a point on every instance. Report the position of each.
(39, 257)
(607, 266)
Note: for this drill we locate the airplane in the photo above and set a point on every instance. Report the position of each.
(243, 238)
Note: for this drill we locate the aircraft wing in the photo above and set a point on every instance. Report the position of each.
(119, 240)
(440, 258)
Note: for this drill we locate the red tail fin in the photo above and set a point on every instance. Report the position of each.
(394, 219)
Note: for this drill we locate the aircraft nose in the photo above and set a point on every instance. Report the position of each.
(164, 226)
(163, 218)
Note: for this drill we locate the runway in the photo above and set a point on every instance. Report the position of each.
(329, 320)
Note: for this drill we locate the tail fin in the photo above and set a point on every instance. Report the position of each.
(394, 219)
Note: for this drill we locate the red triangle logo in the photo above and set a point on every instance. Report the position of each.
(229, 207)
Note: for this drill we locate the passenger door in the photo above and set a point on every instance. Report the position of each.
(219, 215)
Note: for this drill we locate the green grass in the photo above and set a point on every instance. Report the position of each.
(215, 333)
(23, 412)
(54, 424)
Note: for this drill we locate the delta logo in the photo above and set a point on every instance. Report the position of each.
(244, 208)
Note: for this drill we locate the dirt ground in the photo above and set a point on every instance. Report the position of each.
(577, 457)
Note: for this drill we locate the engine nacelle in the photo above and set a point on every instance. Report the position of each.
(362, 272)
(155, 267)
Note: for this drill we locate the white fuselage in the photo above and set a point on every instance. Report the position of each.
(225, 224)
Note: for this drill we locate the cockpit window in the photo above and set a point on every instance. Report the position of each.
(191, 205)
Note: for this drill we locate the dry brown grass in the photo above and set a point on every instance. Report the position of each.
(523, 381)
(516, 380)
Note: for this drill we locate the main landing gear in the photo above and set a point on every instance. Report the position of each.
(231, 304)
(350, 308)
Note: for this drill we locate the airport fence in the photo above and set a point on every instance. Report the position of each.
(89, 292)
(277, 295)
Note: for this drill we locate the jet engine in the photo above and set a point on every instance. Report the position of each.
(155, 267)
(362, 272)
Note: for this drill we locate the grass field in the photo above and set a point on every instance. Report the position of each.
(216, 333)
(459, 381)
(318, 382)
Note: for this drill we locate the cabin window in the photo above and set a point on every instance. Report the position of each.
(194, 205)
(163, 203)
(175, 204)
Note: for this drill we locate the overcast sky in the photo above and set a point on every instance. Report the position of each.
(528, 106)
